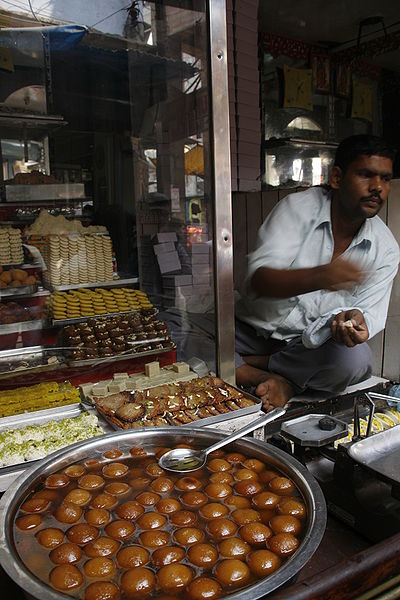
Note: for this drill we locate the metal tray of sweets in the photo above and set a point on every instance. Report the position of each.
(61, 322)
(114, 283)
(380, 453)
(23, 290)
(9, 474)
(22, 326)
(90, 362)
(223, 417)
(22, 361)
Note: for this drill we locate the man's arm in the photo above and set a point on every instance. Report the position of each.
(285, 283)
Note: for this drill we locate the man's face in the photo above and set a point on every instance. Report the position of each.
(364, 187)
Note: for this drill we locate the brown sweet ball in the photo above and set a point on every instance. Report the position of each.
(154, 470)
(154, 539)
(151, 520)
(138, 451)
(285, 524)
(235, 457)
(183, 518)
(120, 529)
(115, 470)
(232, 572)
(66, 577)
(203, 555)
(248, 488)
(132, 556)
(218, 464)
(102, 590)
(266, 515)
(255, 534)
(168, 505)
(188, 484)
(50, 537)
(130, 510)
(103, 546)
(283, 544)
(48, 495)
(254, 464)
(113, 453)
(56, 481)
(79, 497)
(292, 506)
(218, 490)
(104, 500)
(189, 535)
(221, 528)
(281, 485)
(243, 474)
(217, 454)
(267, 475)
(92, 463)
(162, 485)
(195, 499)
(237, 502)
(82, 533)
(100, 567)
(234, 548)
(241, 516)
(213, 510)
(98, 517)
(66, 553)
(35, 505)
(263, 562)
(148, 498)
(265, 500)
(167, 555)
(221, 477)
(75, 471)
(203, 588)
(68, 513)
(138, 583)
(174, 577)
(90, 482)
(139, 483)
(161, 451)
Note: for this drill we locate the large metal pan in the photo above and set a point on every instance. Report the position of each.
(165, 436)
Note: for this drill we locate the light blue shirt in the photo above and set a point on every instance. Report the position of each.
(298, 234)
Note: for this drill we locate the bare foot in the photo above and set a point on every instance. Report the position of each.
(274, 391)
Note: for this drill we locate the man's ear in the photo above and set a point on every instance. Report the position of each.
(335, 177)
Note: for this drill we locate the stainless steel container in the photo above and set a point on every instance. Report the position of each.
(166, 436)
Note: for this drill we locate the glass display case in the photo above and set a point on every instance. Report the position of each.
(115, 237)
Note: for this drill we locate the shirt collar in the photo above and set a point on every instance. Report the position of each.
(365, 232)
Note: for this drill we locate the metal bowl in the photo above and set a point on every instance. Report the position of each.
(164, 436)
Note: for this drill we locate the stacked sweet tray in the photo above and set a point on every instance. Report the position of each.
(115, 338)
(202, 401)
(23, 361)
(28, 437)
(68, 307)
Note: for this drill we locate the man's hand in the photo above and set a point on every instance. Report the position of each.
(341, 274)
(349, 328)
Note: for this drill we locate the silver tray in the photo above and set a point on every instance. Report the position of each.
(9, 474)
(380, 453)
(23, 290)
(26, 354)
(89, 362)
(23, 326)
(95, 316)
(102, 284)
(305, 430)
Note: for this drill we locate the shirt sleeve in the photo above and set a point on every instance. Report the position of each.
(279, 238)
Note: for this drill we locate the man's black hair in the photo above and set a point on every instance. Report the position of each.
(357, 145)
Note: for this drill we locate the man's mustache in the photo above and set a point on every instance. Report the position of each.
(372, 197)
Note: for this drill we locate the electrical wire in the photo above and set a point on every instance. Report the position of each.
(111, 15)
(32, 11)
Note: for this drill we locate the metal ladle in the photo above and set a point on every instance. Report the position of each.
(185, 460)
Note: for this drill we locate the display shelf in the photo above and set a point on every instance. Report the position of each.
(121, 282)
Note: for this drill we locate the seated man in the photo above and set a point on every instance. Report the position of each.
(319, 281)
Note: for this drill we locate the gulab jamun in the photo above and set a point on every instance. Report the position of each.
(174, 577)
(132, 556)
(50, 537)
(232, 572)
(138, 582)
(283, 544)
(203, 555)
(263, 562)
(82, 533)
(102, 590)
(100, 567)
(66, 553)
(255, 534)
(66, 577)
(120, 529)
(130, 510)
(103, 546)
(167, 555)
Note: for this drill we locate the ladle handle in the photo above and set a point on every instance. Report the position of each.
(264, 420)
